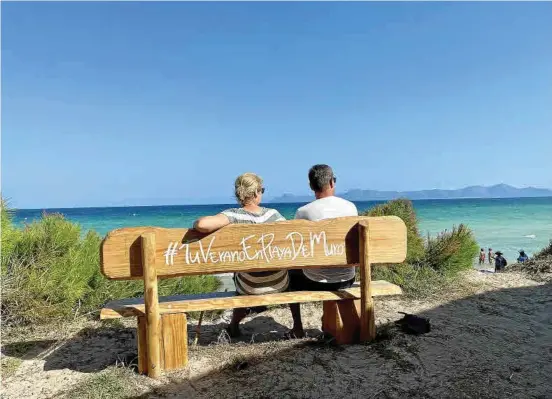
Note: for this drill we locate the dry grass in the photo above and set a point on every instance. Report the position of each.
(9, 366)
(112, 383)
(537, 268)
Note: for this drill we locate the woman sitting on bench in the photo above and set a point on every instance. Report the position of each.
(249, 192)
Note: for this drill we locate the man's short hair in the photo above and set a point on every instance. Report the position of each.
(320, 177)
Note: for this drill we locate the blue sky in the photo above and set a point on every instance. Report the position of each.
(154, 103)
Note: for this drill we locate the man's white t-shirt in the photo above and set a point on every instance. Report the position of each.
(328, 208)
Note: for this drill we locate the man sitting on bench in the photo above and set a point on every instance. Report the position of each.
(326, 206)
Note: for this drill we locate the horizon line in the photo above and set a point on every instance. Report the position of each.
(276, 203)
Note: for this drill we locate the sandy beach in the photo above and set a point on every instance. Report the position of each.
(491, 339)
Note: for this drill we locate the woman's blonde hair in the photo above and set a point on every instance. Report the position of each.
(246, 187)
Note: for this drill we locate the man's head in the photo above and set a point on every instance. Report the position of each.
(322, 181)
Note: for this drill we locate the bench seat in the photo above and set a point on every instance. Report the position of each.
(230, 300)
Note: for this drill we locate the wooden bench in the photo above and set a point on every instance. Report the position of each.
(150, 253)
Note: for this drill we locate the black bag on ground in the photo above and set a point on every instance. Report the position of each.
(413, 324)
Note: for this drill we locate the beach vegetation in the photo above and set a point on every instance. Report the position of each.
(538, 267)
(451, 251)
(431, 265)
(9, 365)
(8, 232)
(417, 281)
(544, 253)
(116, 382)
(51, 272)
(404, 209)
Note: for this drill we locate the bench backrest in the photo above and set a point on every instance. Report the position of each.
(253, 247)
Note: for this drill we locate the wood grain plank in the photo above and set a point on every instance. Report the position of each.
(175, 340)
(142, 345)
(341, 319)
(284, 245)
(367, 316)
(230, 300)
(153, 321)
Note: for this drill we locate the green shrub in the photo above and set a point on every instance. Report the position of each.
(53, 273)
(8, 234)
(430, 267)
(417, 281)
(48, 271)
(404, 209)
(451, 251)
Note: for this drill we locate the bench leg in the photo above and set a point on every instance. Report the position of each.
(341, 320)
(173, 342)
(142, 345)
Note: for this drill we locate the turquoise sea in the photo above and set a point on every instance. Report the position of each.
(503, 224)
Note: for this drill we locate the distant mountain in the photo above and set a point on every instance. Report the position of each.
(496, 191)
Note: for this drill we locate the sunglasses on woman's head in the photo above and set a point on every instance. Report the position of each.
(334, 179)
(262, 190)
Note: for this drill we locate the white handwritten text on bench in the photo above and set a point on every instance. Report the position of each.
(266, 251)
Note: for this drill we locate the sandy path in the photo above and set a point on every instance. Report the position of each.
(496, 342)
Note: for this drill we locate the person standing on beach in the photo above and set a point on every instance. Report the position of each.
(500, 262)
(491, 256)
(482, 256)
(249, 191)
(326, 206)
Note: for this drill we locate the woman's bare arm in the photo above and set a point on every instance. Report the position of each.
(208, 224)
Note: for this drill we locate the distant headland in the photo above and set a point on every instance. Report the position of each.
(496, 191)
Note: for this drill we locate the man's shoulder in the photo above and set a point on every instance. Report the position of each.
(303, 211)
(345, 203)
(305, 207)
(343, 200)
(336, 206)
